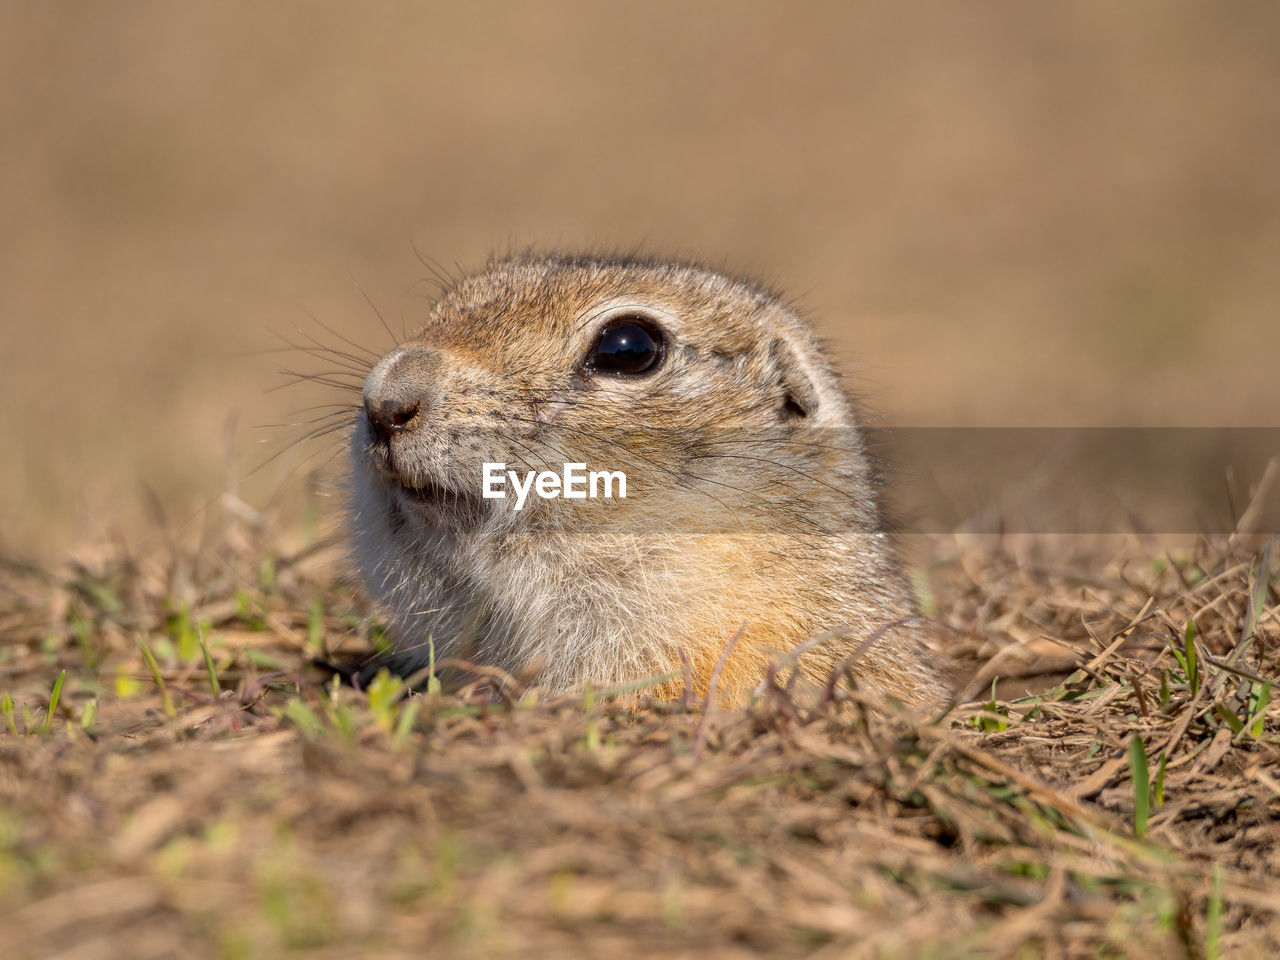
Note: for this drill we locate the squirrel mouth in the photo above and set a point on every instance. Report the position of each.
(426, 498)
(428, 493)
(438, 503)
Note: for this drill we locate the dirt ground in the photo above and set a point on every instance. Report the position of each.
(179, 777)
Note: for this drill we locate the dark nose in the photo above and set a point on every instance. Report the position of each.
(395, 391)
(391, 416)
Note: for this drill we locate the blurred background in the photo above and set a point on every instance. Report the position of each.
(999, 214)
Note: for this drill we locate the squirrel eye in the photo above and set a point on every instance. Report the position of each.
(629, 346)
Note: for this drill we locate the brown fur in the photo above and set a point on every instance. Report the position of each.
(742, 514)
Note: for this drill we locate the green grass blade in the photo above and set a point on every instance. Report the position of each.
(433, 682)
(384, 693)
(1260, 712)
(54, 696)
(214, 686)
(408, 715)
(1229, 718)
(315, 627)
(1191, 661)
(1213, 917)
(154, 667)
(303, 717)
(1141, 785)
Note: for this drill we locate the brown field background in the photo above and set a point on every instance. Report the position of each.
(1001, 214)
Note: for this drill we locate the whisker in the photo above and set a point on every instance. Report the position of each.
(347, 340)
(343, 414)
(321, 350)
(374, 308)
(330, 379)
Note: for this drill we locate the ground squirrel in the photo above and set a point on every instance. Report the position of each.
(750, 516)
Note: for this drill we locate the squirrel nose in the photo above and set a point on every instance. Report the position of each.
(391, 416)
(394, 393)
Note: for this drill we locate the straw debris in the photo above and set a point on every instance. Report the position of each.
(1109, 784)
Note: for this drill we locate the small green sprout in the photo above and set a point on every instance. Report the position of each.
(1158, 789)
(1259, 699)
(315, 626)
(1141, 785)
(303, 717)
(384, 694)
(154, 667)
(214, 687)
(54, 696)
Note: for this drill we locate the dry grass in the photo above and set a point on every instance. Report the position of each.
(287, 812)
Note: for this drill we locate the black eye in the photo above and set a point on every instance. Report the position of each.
(628, 346)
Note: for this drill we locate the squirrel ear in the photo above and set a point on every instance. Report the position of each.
(800, 398)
